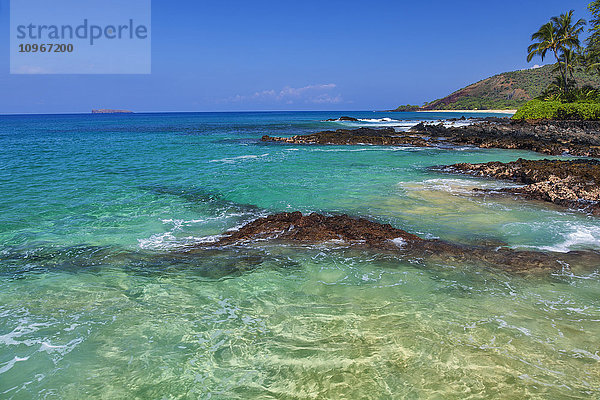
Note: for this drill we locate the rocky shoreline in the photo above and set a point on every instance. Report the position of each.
(570, 183)
(573, 184)
(579, 138)
(296, 228)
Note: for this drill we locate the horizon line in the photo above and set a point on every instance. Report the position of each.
(178, 112)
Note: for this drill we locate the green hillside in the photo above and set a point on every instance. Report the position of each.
(509, 90)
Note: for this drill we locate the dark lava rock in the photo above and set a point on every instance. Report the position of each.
(570, 183)
(384, 137)
(351, 119)
(580, 138)
(316, 228)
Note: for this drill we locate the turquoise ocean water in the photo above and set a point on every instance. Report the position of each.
(100, 298)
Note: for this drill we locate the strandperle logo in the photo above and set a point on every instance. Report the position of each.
(80, 37)
(91, 32)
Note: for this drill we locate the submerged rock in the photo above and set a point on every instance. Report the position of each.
(296, 228)
(570, 183)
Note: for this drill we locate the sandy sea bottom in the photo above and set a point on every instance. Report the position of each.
(100, 298)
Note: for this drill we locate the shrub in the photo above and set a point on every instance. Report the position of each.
(540, 109)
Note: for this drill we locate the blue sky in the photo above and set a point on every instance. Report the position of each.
(308, 55)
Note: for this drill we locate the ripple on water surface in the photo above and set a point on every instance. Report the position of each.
(303, 323)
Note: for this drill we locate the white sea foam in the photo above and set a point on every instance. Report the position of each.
(379, 120)
(172, 239)
(368, 120)
(568, 236)
(454, 185)
(577, 237)
(11, 363)
(400, 125)
(400, 242)
(168, 241)
(25, 328)
(370, 147)
(60, 349)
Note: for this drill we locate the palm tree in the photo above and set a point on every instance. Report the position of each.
(559, 36)
(547, 39)
(592, 52)
(568, 33)
(568, 60)
(592, 60)
(594, 38)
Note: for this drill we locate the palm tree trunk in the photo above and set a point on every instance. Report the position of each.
(563, 73)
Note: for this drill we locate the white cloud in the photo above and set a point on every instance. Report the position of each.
(327, 99)
(28, 69)
(319, 94)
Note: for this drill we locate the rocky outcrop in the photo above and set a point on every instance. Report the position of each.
(580, 138)
(349, 119)
(570, 183)
(381, 137)
(317, 228)
(296, 228)
(109, 111)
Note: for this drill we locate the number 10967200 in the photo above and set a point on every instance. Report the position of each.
(45, 48)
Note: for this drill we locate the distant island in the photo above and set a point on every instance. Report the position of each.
(506, 91)
(109, 111)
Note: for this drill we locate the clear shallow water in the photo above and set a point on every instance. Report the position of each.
(98, 298)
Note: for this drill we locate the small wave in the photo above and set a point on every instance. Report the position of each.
(379, 120)
(172, 239)
(400, 125)
(168, 241)
(579, 237)
(231, 160)
(369, 147)
(453, 185)
(11, 363)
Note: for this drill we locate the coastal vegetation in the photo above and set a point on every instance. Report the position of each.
(547, 109)
(567, 89)
(565, 98)
(561, 37)
(407, 108)
(508, 90)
